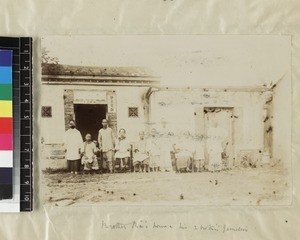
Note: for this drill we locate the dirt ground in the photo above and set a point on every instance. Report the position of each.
(245, 186)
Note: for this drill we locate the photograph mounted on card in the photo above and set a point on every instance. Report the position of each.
(176, 119)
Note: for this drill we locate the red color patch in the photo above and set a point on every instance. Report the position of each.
(6, 126)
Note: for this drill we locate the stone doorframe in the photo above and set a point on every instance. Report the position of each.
(69, 113)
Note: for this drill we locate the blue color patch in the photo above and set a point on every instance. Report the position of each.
(6, 58)
(5, 75)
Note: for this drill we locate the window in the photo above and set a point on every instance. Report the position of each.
(133, 112)
(46, 112)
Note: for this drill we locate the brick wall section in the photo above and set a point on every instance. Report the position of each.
(68, 106)
(112, 110)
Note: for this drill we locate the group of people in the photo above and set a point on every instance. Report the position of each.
(159, 151)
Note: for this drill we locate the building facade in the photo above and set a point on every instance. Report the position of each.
(244, 113)
(88, 95)
(131, 98)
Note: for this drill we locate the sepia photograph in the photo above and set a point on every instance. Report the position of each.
(173, 119)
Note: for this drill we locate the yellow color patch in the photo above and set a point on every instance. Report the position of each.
(5, 108)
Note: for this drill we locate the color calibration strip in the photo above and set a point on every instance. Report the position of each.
(6, 125)
(19, 179)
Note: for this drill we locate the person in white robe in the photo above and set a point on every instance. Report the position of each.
(72, 144)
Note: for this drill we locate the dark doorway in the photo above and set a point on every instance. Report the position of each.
(88, 118)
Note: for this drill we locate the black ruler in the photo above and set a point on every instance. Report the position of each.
(26, 193)
(22, 115)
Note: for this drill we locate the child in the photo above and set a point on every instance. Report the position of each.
(141, 159)
(88, 152)
(98, 155)
(122, 150)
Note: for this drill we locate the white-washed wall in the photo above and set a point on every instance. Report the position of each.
(131, 97)
(177, 107)
(282, 113)
(53, 128)
(52, 95)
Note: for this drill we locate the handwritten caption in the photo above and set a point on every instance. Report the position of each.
(153, 225)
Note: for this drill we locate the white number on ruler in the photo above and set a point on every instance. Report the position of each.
(27, 182)
(26, 116)
(26, 166)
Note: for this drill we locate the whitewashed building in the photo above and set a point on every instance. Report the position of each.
(132, 98)
(88, 95)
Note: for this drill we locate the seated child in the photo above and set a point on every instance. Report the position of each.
(122, 151)
(141, 159)
(88, 152)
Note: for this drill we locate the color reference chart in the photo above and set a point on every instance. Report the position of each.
(6, 125)
(20, 125)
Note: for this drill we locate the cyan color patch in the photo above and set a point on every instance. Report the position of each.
(5, 75)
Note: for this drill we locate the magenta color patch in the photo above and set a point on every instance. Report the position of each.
(6, 142)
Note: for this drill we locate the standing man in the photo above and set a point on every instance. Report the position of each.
(106, 141)
(72, 143)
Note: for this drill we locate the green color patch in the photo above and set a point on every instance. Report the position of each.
(5, 92)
